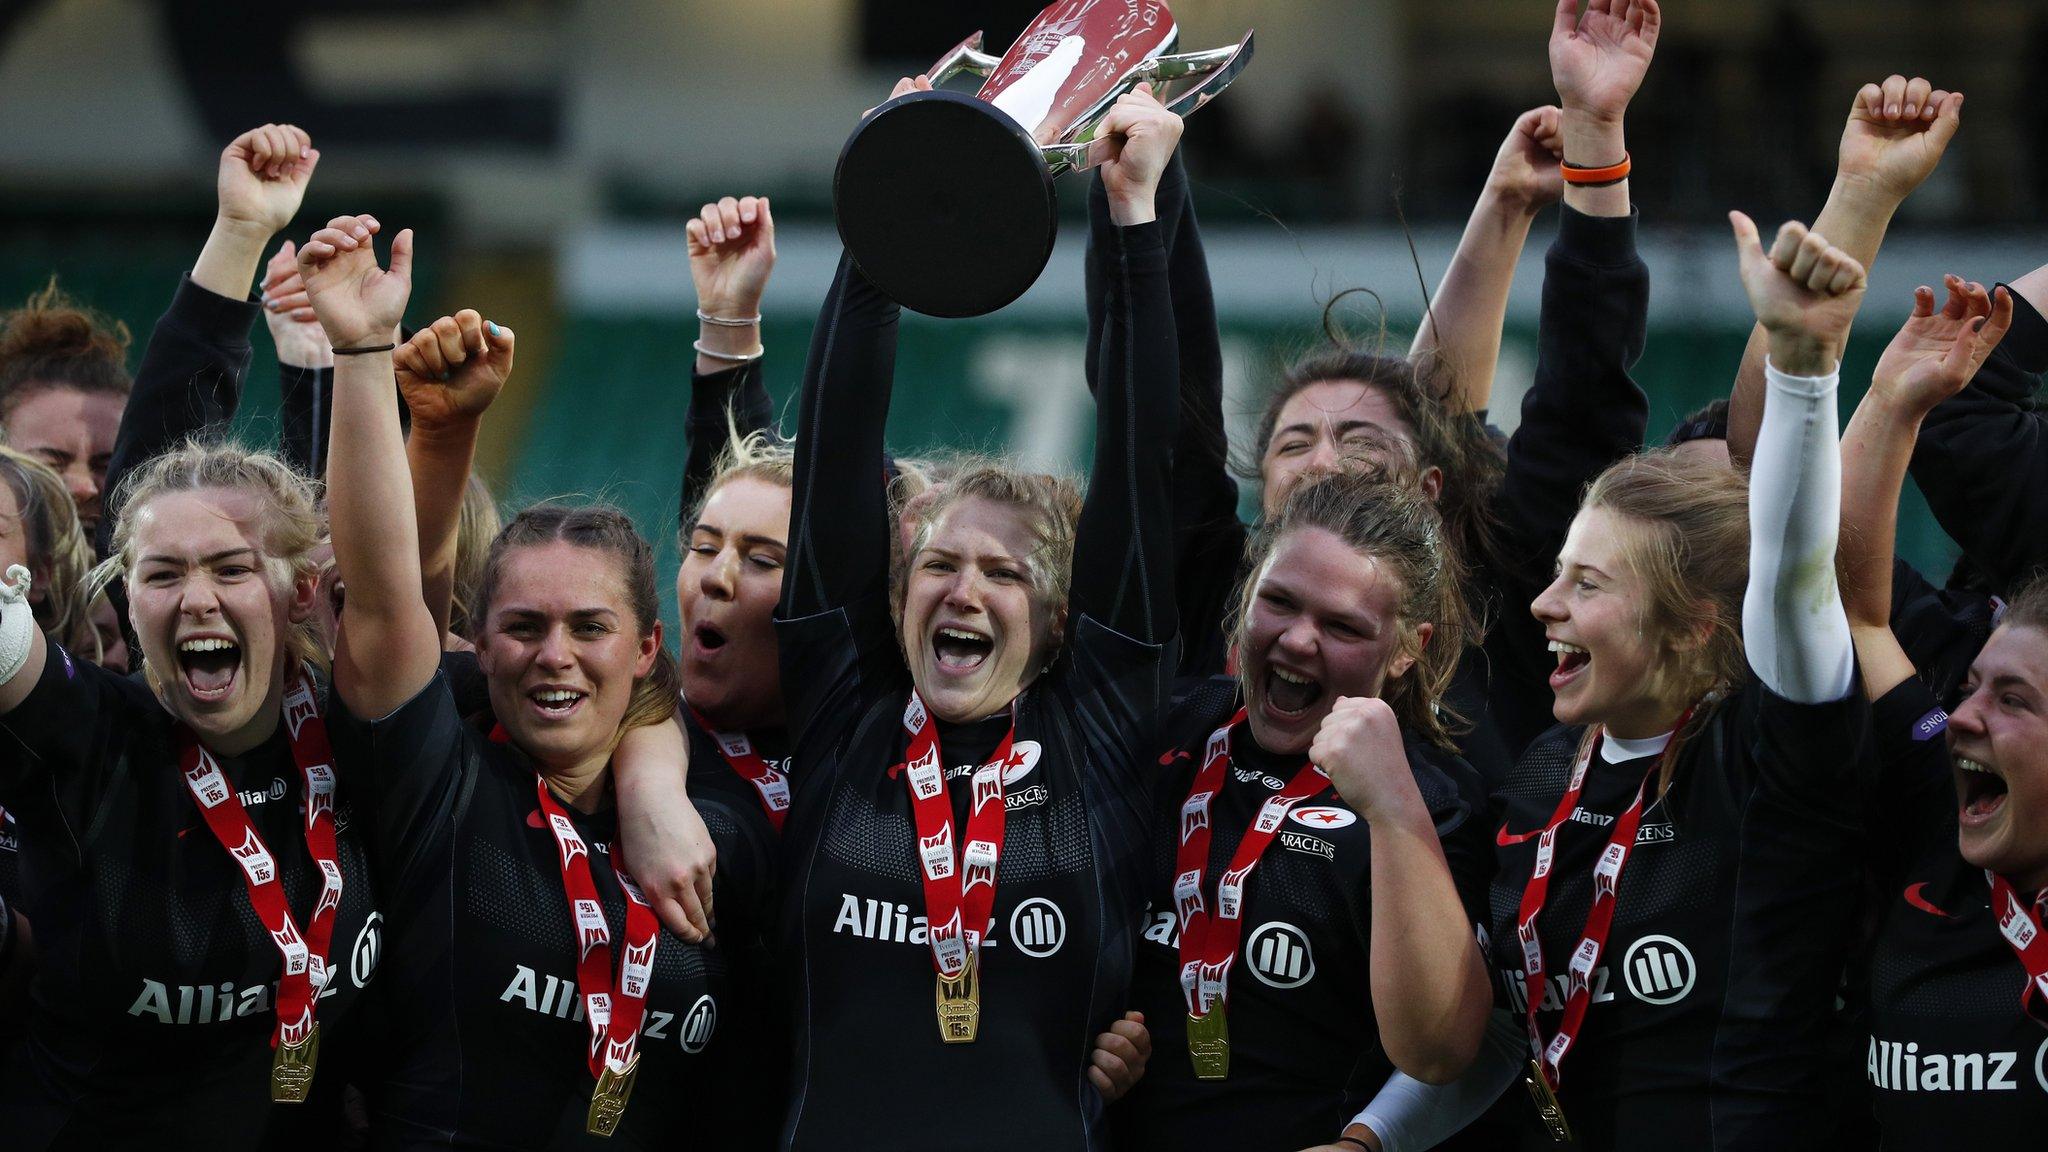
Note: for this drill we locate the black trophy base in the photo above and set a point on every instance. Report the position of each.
(945, 204)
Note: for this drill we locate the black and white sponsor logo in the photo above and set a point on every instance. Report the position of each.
(1023, 758)
(1896, 1066)
(699, 1023)
(168, 1003)
(1660, 832)
(557, 996)
(1037, 926)
(1311, 845)
(1554, 989)
(1279, 955)
(368, 949)
(1659, 969)
(1254, 776)
(9, 840)
(255, 796)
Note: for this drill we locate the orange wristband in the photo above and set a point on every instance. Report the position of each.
(1596, 177)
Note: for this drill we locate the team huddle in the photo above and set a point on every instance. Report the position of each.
(1538, 790)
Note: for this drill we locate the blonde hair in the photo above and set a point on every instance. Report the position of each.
(478, 525)
(607, 531)
(1051, 508)
(58, 552)
(290, 529)
(757, 455)
(1690, 548)
(1397, 527)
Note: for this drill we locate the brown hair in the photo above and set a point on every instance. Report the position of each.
(1051, 506)
(59, 554)
(1396, 526)
(606, 530)
(49, 342)
(2028, 607)
(1470, 459)
(478, 525)
(1691, 551)
(292, 522)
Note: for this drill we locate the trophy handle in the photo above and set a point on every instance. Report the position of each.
(966, 56)
(1212, 71)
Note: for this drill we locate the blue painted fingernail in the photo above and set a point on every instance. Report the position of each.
(492, 327)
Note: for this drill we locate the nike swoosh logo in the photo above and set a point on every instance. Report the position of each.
(1914, 898)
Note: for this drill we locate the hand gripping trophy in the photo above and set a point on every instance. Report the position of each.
(946, 201)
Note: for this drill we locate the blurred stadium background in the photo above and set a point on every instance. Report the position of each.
(548, 151)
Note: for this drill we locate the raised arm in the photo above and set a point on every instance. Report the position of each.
(1805, 292)
(1933, 356)
(191, 373)
(1463, 324)
(732, 252)
(1983, 453)
(1123, 546)
(1896, 134)
(388, 648)
(305, 363)
(449, 373)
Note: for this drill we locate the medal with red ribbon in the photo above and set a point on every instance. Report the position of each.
(739, 752)
(614, 1012)
(1209, 940)
(959, 894)
(1545, 1064)
(2021, 927)
(297, 1037)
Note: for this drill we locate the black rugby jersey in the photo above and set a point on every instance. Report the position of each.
(1304, 1044)
(154, 1002)
(770, 744)
(1735, 909)
(870, 1070)
(487, 1044)
(1951, 1060)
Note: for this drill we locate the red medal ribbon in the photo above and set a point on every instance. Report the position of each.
(2021, 927)
(739, 752)
(614, 1012)
(1599, 918)
(1209, 941)
(959, 893)
(305, 955)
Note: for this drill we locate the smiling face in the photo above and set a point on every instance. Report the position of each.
(974, 630)
(561, 648)
(1323, 621)
(1999, 738)
(727, 589)
(1611, 668)
(1329, 422)
(212, 610)
(73, 432)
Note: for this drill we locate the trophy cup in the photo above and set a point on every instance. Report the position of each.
(945, 201)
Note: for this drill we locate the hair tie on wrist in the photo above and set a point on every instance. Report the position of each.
(365, 350)
(729, 357)
(729, 321)
(1595, 177)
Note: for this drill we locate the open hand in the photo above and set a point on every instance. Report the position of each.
(1804, 291)
(1936, 353)
(263, 176)
(1896, 134)
(732, 251)
(451, 370)
(358, 303)
(1598, 58)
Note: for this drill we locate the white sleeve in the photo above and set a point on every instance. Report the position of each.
(1410, 1116)
(1794, 628)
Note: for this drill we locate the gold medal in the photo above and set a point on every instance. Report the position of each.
(1547, 1105)
(291, 1069)
(608, 1102)
(1209, 1044)
(959, 1001)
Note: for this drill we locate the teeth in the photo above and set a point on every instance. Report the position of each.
(1969, 765)
(1291, 678)
(1561, 646)
(207, 645)
(962, 634)
(557, 696)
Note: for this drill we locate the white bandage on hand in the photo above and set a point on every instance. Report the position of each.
(17, 622)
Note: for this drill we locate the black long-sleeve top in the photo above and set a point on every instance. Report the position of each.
(1982, 457)
(1056, 962)
(738, 394)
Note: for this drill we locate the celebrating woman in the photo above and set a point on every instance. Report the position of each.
(1315, 853)
(538, 988)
